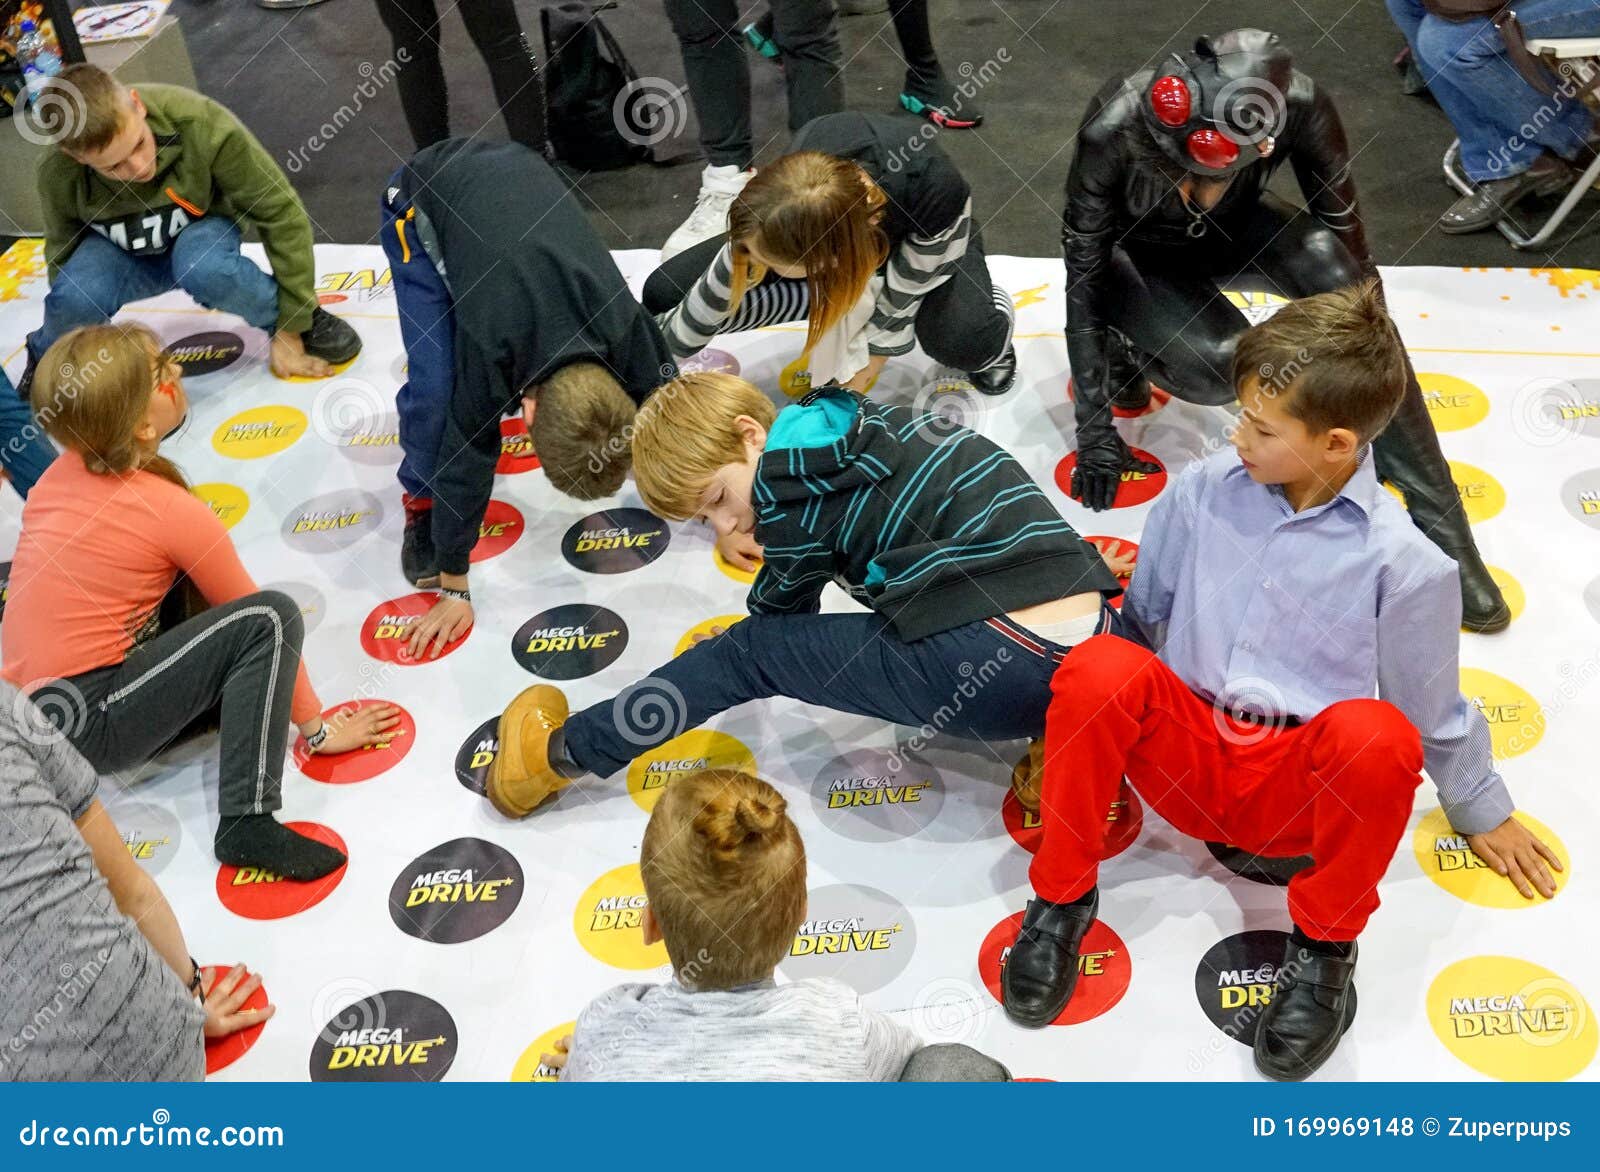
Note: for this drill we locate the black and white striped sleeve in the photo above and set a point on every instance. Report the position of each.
(919, 266)
(690, 325)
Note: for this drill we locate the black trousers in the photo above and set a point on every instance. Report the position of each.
(965, 323)
(1168, 304)
(718, 68)
(238, 659)
(414, 27)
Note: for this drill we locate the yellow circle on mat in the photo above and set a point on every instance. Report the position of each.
(260, 431)
(530, 1067)
(1512, 1019)
(1510, 589)
(1453, 403)
(1481, 494)
(1445, 857)
(228, 501)
(733, 571)
(701, 748)
(609, 921)
(705, 627)
(1516, 722)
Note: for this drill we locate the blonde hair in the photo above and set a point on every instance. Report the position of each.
(725, 873)
(92, 391)
(580, 430)
(815, 210)
(685, 432)
(87, 111)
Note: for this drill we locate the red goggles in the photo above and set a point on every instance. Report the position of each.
(1172, 104)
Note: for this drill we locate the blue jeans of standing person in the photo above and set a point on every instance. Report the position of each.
(987, 681)
(1503, 122)
(427, 327)
(204, 261)
(24, 452)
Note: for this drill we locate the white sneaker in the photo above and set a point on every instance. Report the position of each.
(718, 186)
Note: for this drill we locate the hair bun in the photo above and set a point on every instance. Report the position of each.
(738, 819)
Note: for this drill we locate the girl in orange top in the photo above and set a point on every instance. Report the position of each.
(93, 628)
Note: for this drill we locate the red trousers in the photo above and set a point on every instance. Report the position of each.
(1339, 788)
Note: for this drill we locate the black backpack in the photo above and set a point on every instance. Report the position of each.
(599, 115)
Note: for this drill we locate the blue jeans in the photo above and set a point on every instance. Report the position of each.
(204, 261)
(986, 681)
(1503, 122)
(427, 327)
(24, 451)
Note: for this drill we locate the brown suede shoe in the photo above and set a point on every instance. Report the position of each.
(520, 778)
(1028, 776)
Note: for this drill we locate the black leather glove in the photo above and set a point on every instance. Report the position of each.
(1103, 456)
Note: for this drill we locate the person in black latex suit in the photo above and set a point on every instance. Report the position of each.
(1167, 196)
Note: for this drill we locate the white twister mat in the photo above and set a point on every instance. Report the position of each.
(457, 944)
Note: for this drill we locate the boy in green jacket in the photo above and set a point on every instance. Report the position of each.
(147, 192)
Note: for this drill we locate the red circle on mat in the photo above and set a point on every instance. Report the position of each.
(331, 298)
(258, 894)
(226, 1051)
(357, 764)
(1158, 400)
(386, 633)
(1104, 969)
(516, 448)
(1123, 822)
(502, 525)
(1115, 546)
(1135, 489)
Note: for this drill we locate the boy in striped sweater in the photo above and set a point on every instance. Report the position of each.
(975, 586)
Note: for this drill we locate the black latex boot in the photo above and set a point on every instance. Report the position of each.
(1407, 455)
(997, 378)
(1130, 389)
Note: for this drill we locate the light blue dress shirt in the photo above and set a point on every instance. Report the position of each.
(1259, 608)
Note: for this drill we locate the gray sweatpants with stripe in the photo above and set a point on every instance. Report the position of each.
(237, 660)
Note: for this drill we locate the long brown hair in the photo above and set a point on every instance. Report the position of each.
(816, 210)
(91, 393)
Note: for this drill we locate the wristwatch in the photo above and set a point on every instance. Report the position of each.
(458, 595)
(196, 982)
(315, 740)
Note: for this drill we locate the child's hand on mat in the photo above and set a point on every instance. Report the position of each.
(861, 382)
(289, 358)
(558, 1059)
(1518, 854)
(1119, 558)
(702, 636)
(356, 728)
(740, 550)
(224, 993)
(447, 621)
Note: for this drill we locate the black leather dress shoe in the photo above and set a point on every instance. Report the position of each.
(1042, 969)
(1310, 1010)
(1493, 201)
(997, 379)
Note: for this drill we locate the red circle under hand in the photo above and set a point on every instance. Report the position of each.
(1104, 969)
(502, 525)
(386, 632)
(1136, 487)
(257, 894)
(1116, 547)
(357, 764)
(226, 1051)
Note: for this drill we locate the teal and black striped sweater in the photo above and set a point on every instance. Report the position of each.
(930, 524)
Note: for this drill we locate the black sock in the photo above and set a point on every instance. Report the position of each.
(1327, 947)
(259, 840)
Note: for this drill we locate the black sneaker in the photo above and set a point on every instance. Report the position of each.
(998, 378)
(937, 100)
(417, 559)
(330, 338)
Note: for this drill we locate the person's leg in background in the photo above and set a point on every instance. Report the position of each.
(928, 91)
(966, 323)
(414, 27)
(952, 1062)
(24, 451)
(97, 280)
(719, 87)
(513, 72)
(773, 301)
(807, 34)
(242, 655)
(427, 328)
